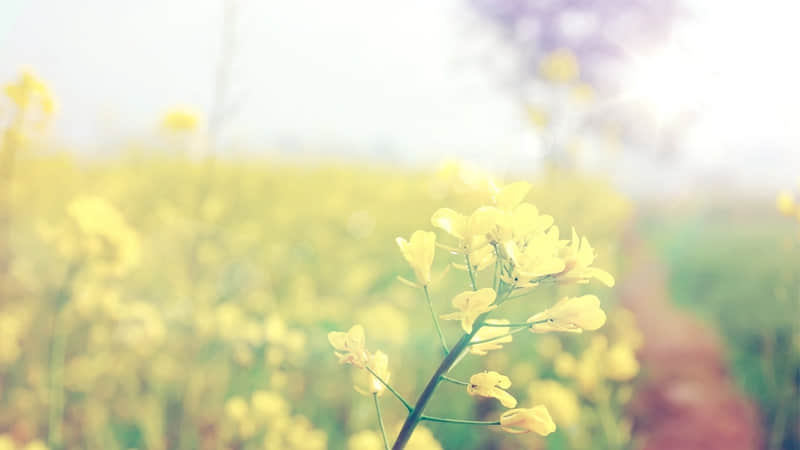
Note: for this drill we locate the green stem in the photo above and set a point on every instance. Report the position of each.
(502, 297)
(496, 269)
(519, 295)
(395, 393)
(459, 421)
(483, 341)
(435, 320)
(416, 413)
(471, 274)
(506, 325)
(57, 354)
(512, 325)
(58, 350)
(607, 422)
(380, 421)
(454, 381)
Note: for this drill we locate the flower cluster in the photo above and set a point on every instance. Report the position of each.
(267, 415)
(524, 250)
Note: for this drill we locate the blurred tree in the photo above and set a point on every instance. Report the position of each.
(600, 38)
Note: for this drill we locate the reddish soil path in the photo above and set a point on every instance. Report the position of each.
(686, 398)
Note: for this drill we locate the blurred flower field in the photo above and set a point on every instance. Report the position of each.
(157, 300)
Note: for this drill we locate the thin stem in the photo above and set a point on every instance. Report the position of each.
(449, 361)
(471, 274)
(505, 295)
(607, 422)
(519, 295)
(395, 393)
(496, 269)
(435, 320)
(538, 281)
(380, 421)
(454, 381)
(416, 413)
(483, 341)
(58, 350)
(459, 421)
(57, 354)
(511, 325)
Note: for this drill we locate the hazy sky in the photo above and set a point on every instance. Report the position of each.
(352, 72)
(384, 76)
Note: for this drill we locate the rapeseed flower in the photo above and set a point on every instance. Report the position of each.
(620, 363)
(785, 203)
(560, 66)
(378, 363)
(510, 195)
(470, 231)
(578, 256)
(492, 384)
(418, 252)
(525, 420)
(351, 346)
(559, 400)
(471, 304)
(181, 120)
(571, 314)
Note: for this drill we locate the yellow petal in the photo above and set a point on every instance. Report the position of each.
(511, 195)
(450, 221)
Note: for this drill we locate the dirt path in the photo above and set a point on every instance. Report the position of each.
(686, 398)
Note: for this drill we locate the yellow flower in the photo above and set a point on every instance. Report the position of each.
(28, 88)
(527, 220)
(564, 365)
(560, 66)
(268, 405)
(578, 256)
(365, 440)
(485, 333)
(785, 203)
(583, 93)
(491, 384)
(620, 363)
(624, 330)
(351, 344)
(180, 119)
(540, 258)
(379, 363)
(519, 225)
(470, 231)
(511, 195)
(525, 420)
(35, 445)
(559, 400)
(589, 370)
(6, 443)
(97, 218)
(471, 304)
(418, 251)
(482, 258)
(422, 439)
(538, 116)
(236, 408)
(572, 314)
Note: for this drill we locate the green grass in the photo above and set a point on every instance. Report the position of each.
(739, 270)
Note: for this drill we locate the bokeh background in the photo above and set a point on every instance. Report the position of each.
(194, 193)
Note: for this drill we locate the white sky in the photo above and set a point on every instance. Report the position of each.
(350, 72)
(379, 76)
